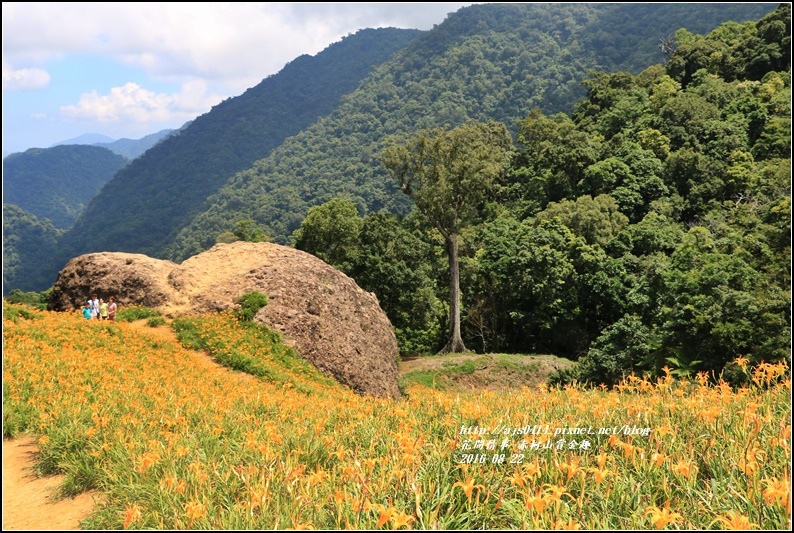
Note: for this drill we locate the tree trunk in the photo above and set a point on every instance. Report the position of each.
(455, 342)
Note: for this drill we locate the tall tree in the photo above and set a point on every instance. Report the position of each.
(449, 174)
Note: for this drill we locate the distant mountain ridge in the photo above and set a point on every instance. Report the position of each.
(57, 183)
(86, 138)
(132, 148)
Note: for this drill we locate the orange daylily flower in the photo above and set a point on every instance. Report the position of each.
(662, 517)
(600, 474)
(400, 520)
(777, 489)
(131, 514)
(468, 487)
(536, 502)
(571, 525)
(194, 511)
(686, 469)
(736, 521)
(385, 514)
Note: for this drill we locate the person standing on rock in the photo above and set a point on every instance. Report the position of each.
(103, 310)
(112, 307)
(93, 304)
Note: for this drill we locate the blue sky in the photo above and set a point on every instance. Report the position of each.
(131, 69)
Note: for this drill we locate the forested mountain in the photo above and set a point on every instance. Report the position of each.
(132, 148)
(649, 228)
(161, 190)
(27, 240)
(486, 62)
(57, 183)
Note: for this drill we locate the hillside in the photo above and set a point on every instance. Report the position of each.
(650, 227)
(160, 191)
(27, 240)
(174, 442)
(57, 183)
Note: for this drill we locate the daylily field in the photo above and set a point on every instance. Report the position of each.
(174, 441)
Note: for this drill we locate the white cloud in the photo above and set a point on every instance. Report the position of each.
(237, 44)
(132, 103)
(24, 78)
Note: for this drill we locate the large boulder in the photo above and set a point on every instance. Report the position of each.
(322, 313)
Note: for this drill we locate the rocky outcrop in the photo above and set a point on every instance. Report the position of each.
(322, 313)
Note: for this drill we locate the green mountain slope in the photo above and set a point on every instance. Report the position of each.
(650, 228)
(27, 240)
(487, 62)
(58, 182)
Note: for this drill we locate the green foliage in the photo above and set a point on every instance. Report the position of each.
(32, 299)
(565, 376)
(396, 258)
(250, 303)
(619, 351)
(400, 261)
(155, 321)
(596, 219)
(247, 230)
(331, 232)
(14, 312)
(27, 242)
(135, 312)
(450, 175)
(249, 347)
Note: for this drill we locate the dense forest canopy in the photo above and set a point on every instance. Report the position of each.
(27, 240)
(649, 228)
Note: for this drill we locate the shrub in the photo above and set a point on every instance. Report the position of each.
(250, 303)
(33, 299)
(155, 321)
(620, 350)
(135, 312)
(565, 376)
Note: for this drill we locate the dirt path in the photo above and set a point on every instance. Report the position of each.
(27, 500)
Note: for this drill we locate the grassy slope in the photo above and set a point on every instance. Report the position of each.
(174, 443)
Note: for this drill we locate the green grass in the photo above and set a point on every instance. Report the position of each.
(509, 370)
(251, 348)
(155, 321)
(135, 312)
